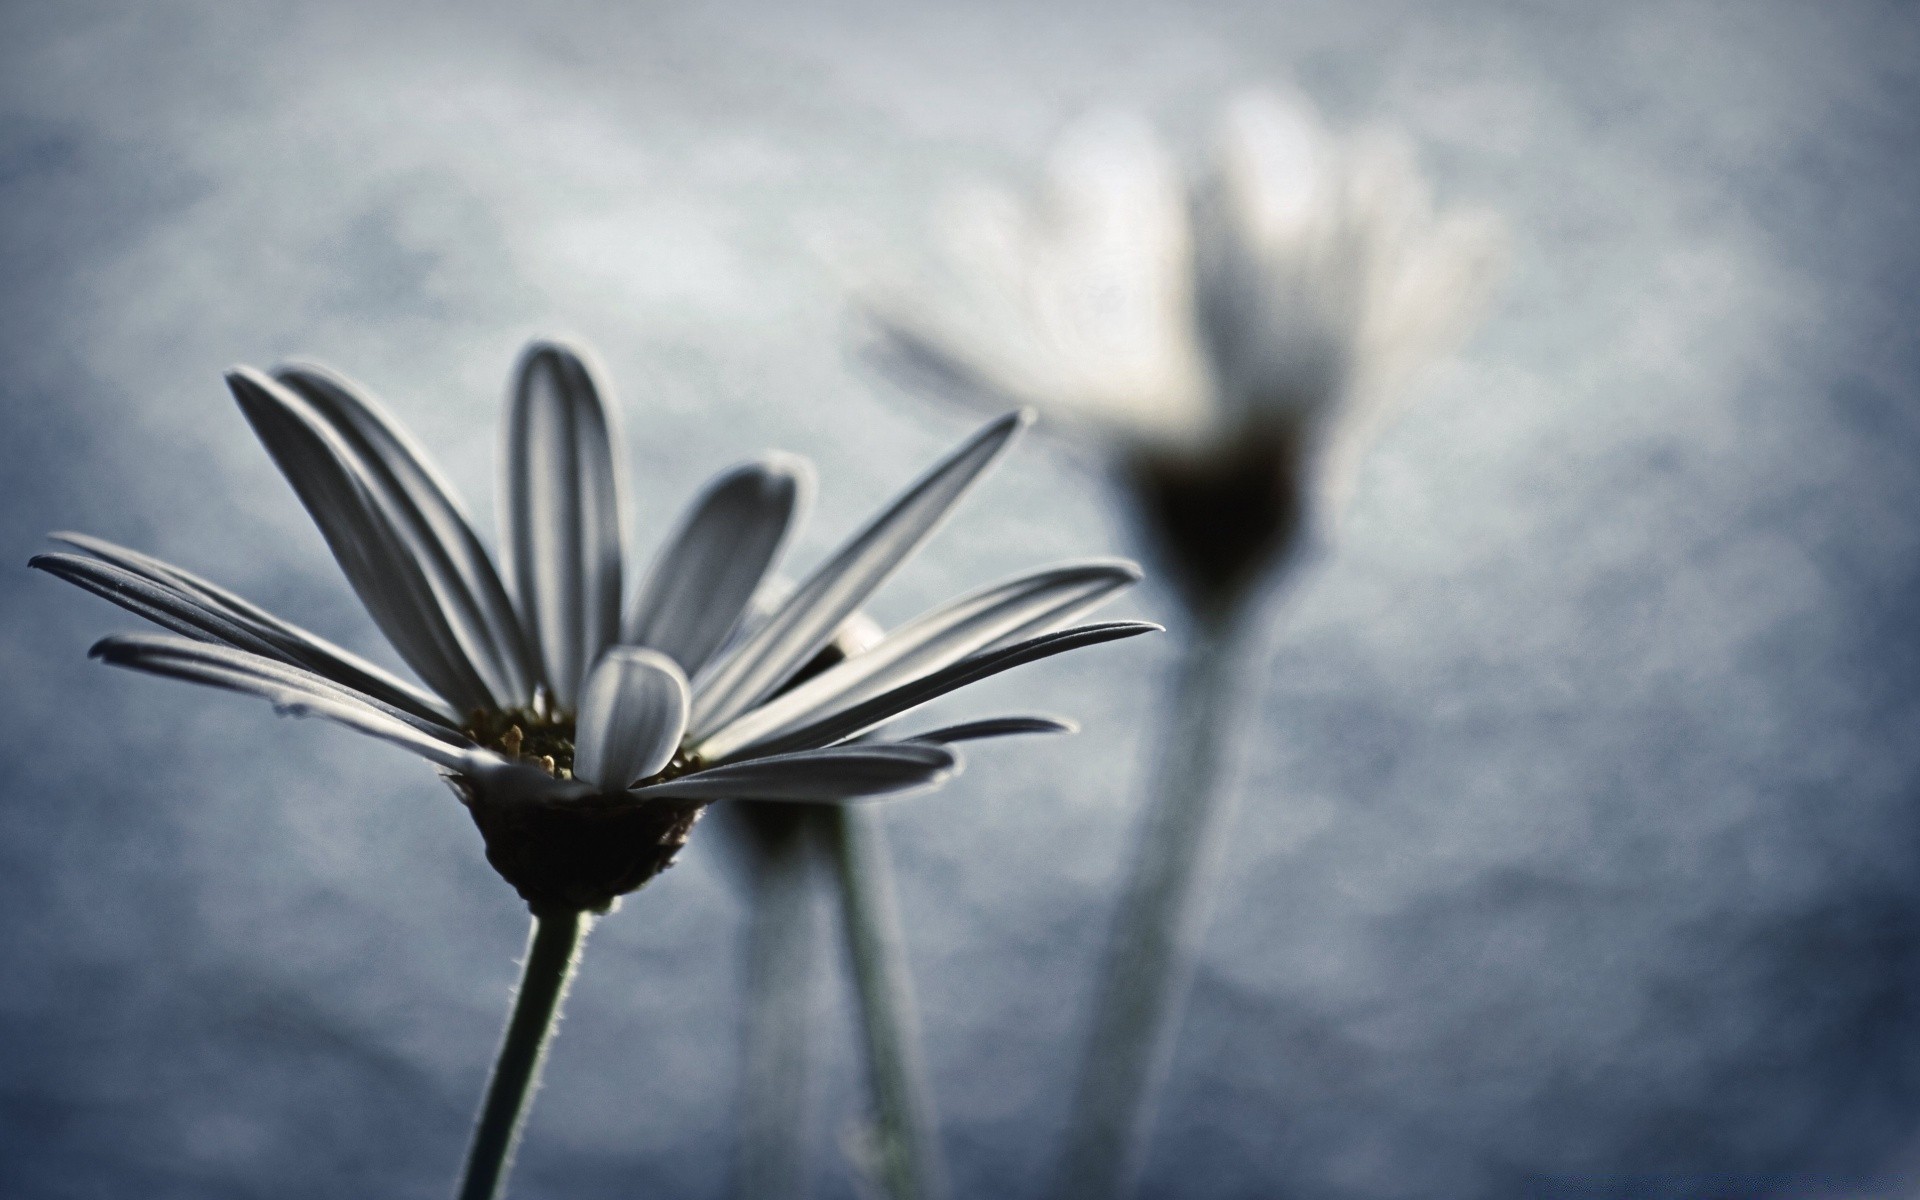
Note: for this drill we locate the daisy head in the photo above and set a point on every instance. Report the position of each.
(585, 713)
(1230, 338)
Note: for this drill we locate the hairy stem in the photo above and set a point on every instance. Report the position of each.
(770, 1158)
(553, 953)
(1156, 930)
(907, 1152)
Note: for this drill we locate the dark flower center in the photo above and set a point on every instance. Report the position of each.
(519, 733)
(1220, 518)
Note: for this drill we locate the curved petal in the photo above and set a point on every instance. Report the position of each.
(292, 692)
(291, 643)
(846, 723)
(705, 577)
(379, 559)
(633, 712)
(992, 727)
(1004, 612)
(817, 607)
(165, 606)
(418, 502)
(814, 776)
(562, 519)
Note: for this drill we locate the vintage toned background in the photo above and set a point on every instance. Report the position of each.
(1578, 848)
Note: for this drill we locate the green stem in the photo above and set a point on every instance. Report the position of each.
(770, 1158)
(907, 1152)
(552, 955)
(1156, 931)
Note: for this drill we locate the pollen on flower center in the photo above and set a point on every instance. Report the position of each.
(546, 741)
(522, 734)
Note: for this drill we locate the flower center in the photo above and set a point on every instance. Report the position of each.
(545, 740)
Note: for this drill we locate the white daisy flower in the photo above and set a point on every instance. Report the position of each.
(1231, 341)
(585, 736)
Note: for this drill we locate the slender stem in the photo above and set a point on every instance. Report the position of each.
(770, 1158)
(1156, 931)
(908, 1151)
(553, 953)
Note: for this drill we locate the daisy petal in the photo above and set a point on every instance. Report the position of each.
(562, 496)
(814, 776)
(376, 557)
(165, 606)
(290, 642)
(1005, 612)
(291, 691)
(706, 576)
(991, 727)
(633, 711)
(809, 617)
(421, 505)
(846, 723)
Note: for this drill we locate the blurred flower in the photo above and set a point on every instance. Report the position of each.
(1230, 342)
(1227, 344)
(583, 743)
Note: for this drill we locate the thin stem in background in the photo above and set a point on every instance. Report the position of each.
(907, 1152)
(770, 1161)
(552, 955)
(1156, 931)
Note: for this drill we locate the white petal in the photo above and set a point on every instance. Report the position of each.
(1275, 167)
(817, 607)
(633, 712)
(504, 781)
(1003, 613)
(291, 691)
(562, 496)
(160, 603)
(992, 727)
(422, 506)
(814, 776)
(845, 723)
(377, 557)
(706, 575)
(290, 642)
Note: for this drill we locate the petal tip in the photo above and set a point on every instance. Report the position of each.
(295, 369)
(250, 386)
(785, 465)
(564, 349)
(1013, 423)
(1123, 570)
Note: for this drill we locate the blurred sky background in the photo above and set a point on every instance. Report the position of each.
(1578, 855)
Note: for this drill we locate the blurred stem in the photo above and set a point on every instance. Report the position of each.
(1157, 928)
(907, 1152)
(553, 952)
(770, 1159)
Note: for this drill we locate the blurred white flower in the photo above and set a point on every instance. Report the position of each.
(1233, 339)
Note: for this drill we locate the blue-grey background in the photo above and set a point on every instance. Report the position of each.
(1578, 848)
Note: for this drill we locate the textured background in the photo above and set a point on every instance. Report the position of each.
(1578, 854)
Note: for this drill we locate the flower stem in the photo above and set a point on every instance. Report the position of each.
(770, 1158)
(1156, 930)
(907, 1154)
(553, 952)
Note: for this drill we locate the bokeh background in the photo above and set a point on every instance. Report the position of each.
(1578, 853)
